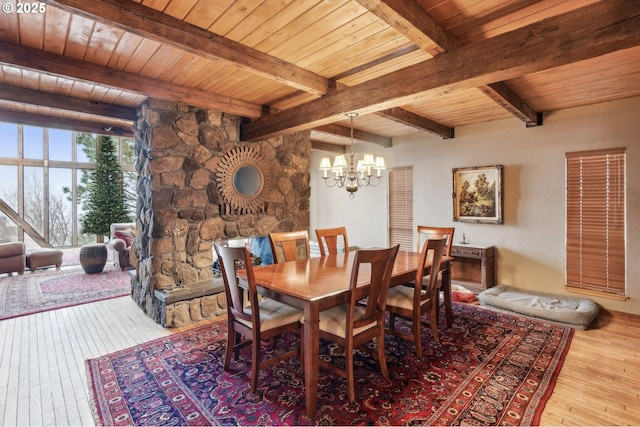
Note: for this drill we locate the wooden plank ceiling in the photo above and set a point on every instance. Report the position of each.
(405, 65)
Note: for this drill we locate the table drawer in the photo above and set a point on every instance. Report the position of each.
(467, 252)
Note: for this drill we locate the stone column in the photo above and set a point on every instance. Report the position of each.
(178, 148)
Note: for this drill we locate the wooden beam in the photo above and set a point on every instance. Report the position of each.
(594, 30)
(67, 103)
(31, 232)
(149, 23)
(359, 135)
(89, 125)
(325, 146)
(59, 65)
(425, 124)
(399, 115)
(409, 119)
(502, 94)
(410, 19)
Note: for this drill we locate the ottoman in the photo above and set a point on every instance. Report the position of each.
(44, 258)
(93, 258)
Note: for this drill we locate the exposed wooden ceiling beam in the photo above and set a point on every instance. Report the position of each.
(359, 135)
(409, 119)
(103, 127)
(67, 103)
(325, 146)
(36, 59)
(396, 114)
(502, 94)
(149, 23)
(584, 33)
(410, 19)
(399, 115)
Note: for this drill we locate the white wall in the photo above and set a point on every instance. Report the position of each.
(530, 243)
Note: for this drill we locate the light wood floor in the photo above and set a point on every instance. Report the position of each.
(43, 379)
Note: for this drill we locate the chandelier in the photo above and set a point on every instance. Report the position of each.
(352, 173)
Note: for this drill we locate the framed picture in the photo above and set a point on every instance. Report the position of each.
(477, 194)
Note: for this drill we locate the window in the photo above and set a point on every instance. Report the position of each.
(595, 222)
(401, 208)
(44, 174)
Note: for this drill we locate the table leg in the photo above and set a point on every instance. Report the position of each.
(311, 356)
(446, 284)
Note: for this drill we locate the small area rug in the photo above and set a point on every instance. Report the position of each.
(51, 289)
(491, 368)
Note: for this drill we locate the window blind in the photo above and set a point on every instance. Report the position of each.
(595, 221)
(401, 207)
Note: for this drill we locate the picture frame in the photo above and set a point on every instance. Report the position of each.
(477, 194)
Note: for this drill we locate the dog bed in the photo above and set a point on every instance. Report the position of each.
(461, 294)
(566, 310)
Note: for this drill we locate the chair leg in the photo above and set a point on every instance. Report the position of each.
(348, 362)
(392, 321)
(417, 333)
(434, 320)
(255, 362)
(236, 346)
(382, 354)
(231, 344)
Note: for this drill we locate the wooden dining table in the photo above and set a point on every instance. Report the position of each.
(316, 284)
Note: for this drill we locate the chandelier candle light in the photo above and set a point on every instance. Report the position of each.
(358, 173)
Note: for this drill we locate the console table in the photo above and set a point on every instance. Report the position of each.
(474, 266)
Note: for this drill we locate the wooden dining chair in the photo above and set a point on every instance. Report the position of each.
(255, 322)
(411, 302)
(330, 238)
(290, 245)
(351, 325)
(430, 232)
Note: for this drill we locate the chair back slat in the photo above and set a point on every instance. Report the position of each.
(329, 237)
(436, 233)
(432, 250)
(381, 266)
(289, 245)
(229, 258)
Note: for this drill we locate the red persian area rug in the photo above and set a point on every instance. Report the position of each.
(491, 368)
(50, 290)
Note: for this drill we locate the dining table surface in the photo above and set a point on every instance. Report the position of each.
(319, 283)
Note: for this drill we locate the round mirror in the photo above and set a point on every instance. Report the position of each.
(242, 180)
(247, 180)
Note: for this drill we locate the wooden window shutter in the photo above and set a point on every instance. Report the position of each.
(401, 207)
(595, 221)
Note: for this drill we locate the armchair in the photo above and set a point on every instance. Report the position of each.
(121, 238)
(13, 257)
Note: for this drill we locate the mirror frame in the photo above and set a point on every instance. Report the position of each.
(228, 166)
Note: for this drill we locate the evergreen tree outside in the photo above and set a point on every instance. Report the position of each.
(104, 202)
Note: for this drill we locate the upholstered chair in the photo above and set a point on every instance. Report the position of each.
(256, 320)
(361, 319)
(412, 302)
(290, 245)
(13, 257)
(330, 238)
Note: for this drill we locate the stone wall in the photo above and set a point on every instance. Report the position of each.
(180, 210)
